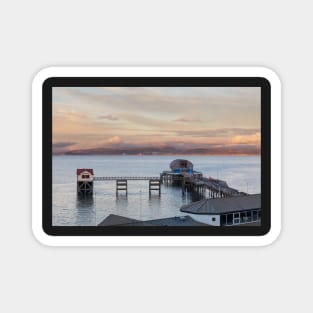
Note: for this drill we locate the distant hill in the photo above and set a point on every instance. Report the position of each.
(128, 151)
(227, 150)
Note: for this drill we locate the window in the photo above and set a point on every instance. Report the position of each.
(254, 215)
(183, 164)
(236, 218)
(230, 219)
(85, 176)
(249, 217)
(213, 219)
(223, 219)
(243, 217)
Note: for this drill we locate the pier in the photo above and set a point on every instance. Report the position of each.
(214, 203)
(181, 174)
(86, 179)
(102, 178)
(197, 183)
(122, 182)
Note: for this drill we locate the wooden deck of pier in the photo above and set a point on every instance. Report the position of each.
(122, 182)
(102, 178)
(181, 174)
(195, 182)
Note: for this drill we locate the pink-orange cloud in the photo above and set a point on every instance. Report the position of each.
(186, 120)
(115, 139)
(247, 139)
(108, 117)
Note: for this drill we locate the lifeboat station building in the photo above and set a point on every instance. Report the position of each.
(228, 211)
(85, 177)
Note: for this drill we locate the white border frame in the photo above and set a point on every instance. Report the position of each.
(156, 240)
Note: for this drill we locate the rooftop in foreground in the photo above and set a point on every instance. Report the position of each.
(117, 220)
(223, 205)
(113, 219)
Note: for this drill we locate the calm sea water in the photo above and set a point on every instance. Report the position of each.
(242, 173)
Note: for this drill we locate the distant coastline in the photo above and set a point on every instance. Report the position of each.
(167, 150)
(154, 154)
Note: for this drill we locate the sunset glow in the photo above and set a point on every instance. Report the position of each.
(157, 120)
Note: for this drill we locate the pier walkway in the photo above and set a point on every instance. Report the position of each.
(122, 182)
(197, 183)
(181, 173)
(218, 187)
(102, 178)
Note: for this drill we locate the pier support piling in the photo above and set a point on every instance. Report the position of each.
(155, 184)
(121, 185)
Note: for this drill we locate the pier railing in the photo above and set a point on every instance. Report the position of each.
(99, 178)
(122, 182)
(189, 181)
(196, 182)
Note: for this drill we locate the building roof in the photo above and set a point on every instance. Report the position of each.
(181, 163)
(114, 219)
(80, 170)
(223, 205)
(170, 221)
(117, 220)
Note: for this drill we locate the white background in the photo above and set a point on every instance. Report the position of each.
(37, 34)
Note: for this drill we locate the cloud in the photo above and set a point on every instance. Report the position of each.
(108, 117)
(186, 120)
(246, 139)
(218, 132)
(115, 139)
(185, 99)
(69, 115)
(100, 116)
(171, 150)
(61, 147)
(62, 144)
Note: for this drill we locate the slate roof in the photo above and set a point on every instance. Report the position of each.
(223, 205)
(80, 170)
(114, 219)
(117, 220)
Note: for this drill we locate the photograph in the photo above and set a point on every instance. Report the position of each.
(156, 156)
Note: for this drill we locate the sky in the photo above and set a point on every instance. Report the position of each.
(157, 120)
